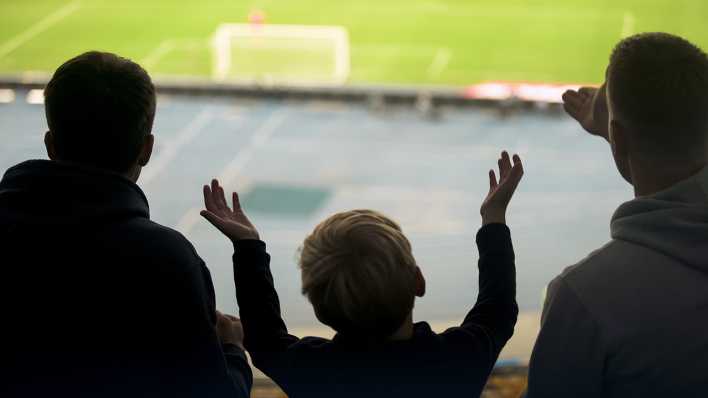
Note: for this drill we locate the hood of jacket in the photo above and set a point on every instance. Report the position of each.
(673, 222)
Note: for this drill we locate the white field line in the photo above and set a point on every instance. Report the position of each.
(234, 167)
(38, 28)
(440, 62)
(628, 24)
(167, 46)
(158, 53)
(184, 137)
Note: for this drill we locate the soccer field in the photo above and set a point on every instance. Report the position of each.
(455, 42)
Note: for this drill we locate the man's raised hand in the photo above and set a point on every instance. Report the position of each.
(494, 206)
(589, 107)
(232, 223)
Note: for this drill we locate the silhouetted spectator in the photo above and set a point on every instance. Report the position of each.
(96, 299)
(630, 320)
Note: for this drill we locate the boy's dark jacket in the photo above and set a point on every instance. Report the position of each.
(455, 363)
(96, 299)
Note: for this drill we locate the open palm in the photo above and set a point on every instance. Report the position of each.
(589, 107)
(493, 208)
(232, 223)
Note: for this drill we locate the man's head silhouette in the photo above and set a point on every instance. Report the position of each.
(100, 110)
(657, 94)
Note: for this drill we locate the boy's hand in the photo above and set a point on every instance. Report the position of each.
(494, 206)
(589, 107)
(229, 329)
(234, 224)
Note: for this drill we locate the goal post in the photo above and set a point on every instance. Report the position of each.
(281, 54)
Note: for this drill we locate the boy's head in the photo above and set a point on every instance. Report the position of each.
(657, 89)
(359, 273)
(100, 110)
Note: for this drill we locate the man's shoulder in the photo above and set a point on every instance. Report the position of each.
(162, 241)
(604, 282)
(605, 263)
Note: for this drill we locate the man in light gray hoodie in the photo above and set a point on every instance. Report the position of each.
(631, 319)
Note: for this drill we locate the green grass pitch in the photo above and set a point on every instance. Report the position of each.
(451, 42)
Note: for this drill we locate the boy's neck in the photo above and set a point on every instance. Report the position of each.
(405, 332)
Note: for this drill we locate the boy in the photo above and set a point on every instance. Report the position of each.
(361, 278)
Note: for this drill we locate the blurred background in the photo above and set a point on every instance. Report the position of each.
(309, 107)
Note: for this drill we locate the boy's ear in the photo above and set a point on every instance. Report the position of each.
(419, 283)
(146, 152)
(49, 145)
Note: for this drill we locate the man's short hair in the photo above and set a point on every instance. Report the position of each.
(658, 85)
(99, 108)
(359, 273)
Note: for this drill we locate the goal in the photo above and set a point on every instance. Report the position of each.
(281, 54)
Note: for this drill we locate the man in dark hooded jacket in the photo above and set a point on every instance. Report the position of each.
(630, 319)
(96, 299)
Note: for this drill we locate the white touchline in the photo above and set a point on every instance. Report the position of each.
(234, 167)
(628, 24)
(170, 151)
(440, 62)
(38, 28)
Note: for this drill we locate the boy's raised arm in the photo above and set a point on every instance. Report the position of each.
(491, 321)
(266, 336)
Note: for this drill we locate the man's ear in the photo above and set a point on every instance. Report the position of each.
(49, 145)
(146, 152)
(620, 143)
(619, 140)
(419, 283)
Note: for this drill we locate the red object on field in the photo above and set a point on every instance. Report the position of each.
(256, 17)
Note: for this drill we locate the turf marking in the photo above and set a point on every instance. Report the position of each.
(440, 62)
(38, 28)
(158, 53)
(234, 167)
(628, 24)
(166, 47)
(184, 137)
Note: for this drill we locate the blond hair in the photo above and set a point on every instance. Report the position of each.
(359, 273)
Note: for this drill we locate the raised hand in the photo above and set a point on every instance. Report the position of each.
(229, 329)
(589, 107)
(494, 206)
(232, 223)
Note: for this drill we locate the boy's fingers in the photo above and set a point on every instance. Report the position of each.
(208, 199)
(492, 180)
(506, 161)
(517, 161)
(236, 201)
(213, 219)
(221, 197)
(217, 207)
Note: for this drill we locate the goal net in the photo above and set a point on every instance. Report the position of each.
(281, 54)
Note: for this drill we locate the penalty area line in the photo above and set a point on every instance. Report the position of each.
(237, 163)
(171, 150)
(38, 28)
(440, 62)
(158, 53)
(628, 23)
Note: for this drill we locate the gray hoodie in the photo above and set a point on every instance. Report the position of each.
(631, 319)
